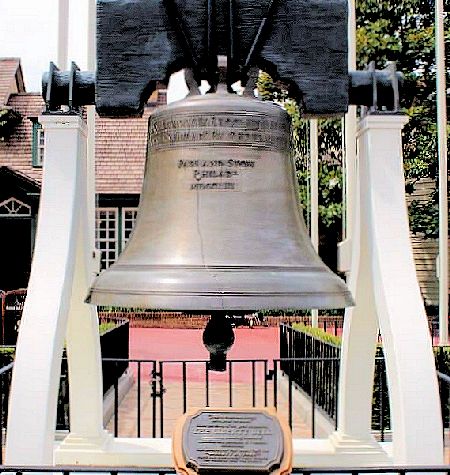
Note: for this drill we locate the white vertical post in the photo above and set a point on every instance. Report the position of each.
(83, 344)
(354, 432)
(63, 33)
(441, 98)
(314, 222)
(35, 382)
(92, 64)
(387, 290)
(350, 131)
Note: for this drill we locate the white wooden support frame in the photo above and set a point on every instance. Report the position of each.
(384, 284)
(382, 280)
(54, 309)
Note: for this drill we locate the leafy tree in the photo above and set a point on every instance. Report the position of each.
(404, 32)
(386, 31)
(9, 119)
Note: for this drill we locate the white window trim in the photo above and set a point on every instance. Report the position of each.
(123, 238)
(98, 239)
(40, 147)
(12, 207)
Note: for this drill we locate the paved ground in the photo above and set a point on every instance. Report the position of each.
(173, 408)
(169, 345)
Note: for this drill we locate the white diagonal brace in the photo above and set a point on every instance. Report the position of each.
(386, 290)
(35, 382)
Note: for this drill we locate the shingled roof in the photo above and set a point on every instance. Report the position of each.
(16, 151)
(120, 150)
(120, 146)
(11, 79)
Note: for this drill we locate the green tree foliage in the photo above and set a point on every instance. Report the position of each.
(404, 32)
(9, 119)
(386, 31)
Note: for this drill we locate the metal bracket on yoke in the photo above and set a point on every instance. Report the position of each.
(385, 85)
(73, 69)
(377, 91)
(72, 89)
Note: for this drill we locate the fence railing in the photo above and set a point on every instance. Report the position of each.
(322, 380)
(11, 307)
(318, 379)
(164, 390)
(68, 470)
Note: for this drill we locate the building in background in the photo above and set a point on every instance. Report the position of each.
(120, 159)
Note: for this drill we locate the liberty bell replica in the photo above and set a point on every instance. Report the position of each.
(219, 226)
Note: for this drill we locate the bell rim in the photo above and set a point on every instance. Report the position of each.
(174, 287)
(221, 300)
(205, 304)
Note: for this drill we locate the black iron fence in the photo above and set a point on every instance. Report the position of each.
(164, 390)
(114, 344)
(5, 384)
(320, 382)
(68, 470)
(11, 306)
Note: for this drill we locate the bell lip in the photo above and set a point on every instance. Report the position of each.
(220, 288)
(222, 302)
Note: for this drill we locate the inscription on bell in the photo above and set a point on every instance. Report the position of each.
(215, 174)
(220, 441)
(217, 130)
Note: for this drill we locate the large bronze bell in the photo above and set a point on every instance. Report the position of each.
(219, 225)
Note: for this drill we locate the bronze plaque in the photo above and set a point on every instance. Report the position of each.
(215, 441)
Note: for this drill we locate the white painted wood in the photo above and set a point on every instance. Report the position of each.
(353, 435)
(32, 411)
(414, 394)
(386, 290)
(92, 65)
(63, 33)
(314, 180)
(83, 344)
(82, 336)
(441, 92)
(52, 294)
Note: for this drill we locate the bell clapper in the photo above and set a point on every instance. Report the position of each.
(218, 338)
